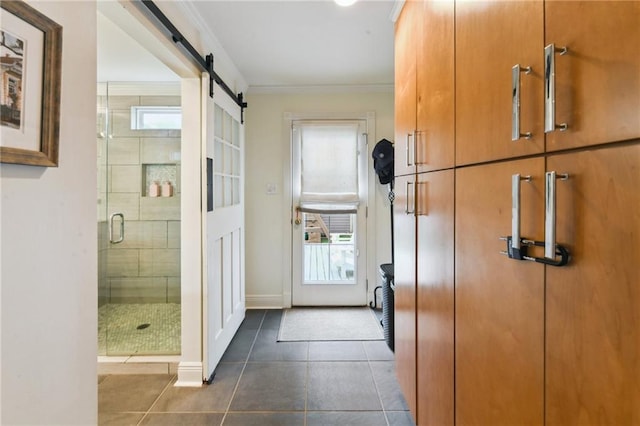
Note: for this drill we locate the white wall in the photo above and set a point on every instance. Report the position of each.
(266, 159)
(49, 253)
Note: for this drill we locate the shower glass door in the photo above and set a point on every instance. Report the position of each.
(138, 208)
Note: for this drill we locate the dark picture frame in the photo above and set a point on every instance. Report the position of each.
(49, 105)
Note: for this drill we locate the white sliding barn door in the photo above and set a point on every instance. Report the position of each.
(223, 239)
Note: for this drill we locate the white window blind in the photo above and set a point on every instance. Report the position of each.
(329, 169)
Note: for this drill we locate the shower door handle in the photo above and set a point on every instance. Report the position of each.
(111, 220)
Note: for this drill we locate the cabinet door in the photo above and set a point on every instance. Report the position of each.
(597, 81)
(499, 301)
(404, 224)
(435, 88)
(492, 37)
(593, 304)
(434, 213)
(405, 88)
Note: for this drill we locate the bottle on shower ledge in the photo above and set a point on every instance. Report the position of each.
(154, 189)
(167, 189)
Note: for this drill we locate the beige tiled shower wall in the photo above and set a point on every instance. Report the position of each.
(145, 267)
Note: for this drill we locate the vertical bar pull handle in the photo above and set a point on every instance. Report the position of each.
(413, 199)
(111, 220)
(515, 209)
(550, 88)
(417, 155)
(411, 149)
(515, 102)
(550, 213)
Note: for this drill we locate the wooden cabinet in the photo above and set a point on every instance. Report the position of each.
(492, 37)
(499, 301)
(598, 80)
(424, 131)
(482, 339)
(434, 137)
(424, 87)
(424, 294)
(405, 88)
(529, 334)
(597, 89)
(434, 302)
(404, 225)
(593, 304)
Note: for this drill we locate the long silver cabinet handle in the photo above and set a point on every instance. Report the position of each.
(515, 209)
(111, 219)
(550, 213)
(413, 199)
(515, 102)
(550, 88)
(417, 138)
(411, 149)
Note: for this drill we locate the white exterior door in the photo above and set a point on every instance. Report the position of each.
(223, 238)
(329, 203)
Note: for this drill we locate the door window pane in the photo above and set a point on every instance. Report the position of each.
(329, 248)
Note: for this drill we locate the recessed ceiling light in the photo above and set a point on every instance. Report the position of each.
(345, 2)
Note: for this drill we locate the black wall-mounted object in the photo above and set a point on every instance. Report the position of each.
(206, 64)
(209, 184)
(383, 163)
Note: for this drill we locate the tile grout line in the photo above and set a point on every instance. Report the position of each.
(155, 401)
(244, 366)
(306, 391)
(375, 384)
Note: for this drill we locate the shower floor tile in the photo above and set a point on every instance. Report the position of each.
(139, 329)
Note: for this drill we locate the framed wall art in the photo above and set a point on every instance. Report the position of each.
(30, 73)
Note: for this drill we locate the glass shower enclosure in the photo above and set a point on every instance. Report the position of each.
(138, 206)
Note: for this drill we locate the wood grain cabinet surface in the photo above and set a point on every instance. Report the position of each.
(592, 324)
(491, 38)
(405, 288)
(482, 339)
(435, 96)
(598, 79)
(434, 298)
(405, 88)
(499, 314)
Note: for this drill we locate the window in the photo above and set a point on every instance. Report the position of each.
(156, 118)
(329, 165)
(227, 157)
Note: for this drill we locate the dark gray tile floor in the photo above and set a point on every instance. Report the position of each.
(264, 382)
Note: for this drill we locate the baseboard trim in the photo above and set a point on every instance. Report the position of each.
(189, 374)
(266, 301)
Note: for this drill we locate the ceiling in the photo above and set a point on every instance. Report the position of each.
(276, 44)
(121, 58)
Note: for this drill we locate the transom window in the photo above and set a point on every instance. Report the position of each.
(156, 118)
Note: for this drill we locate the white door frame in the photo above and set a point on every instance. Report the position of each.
(288, 218)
